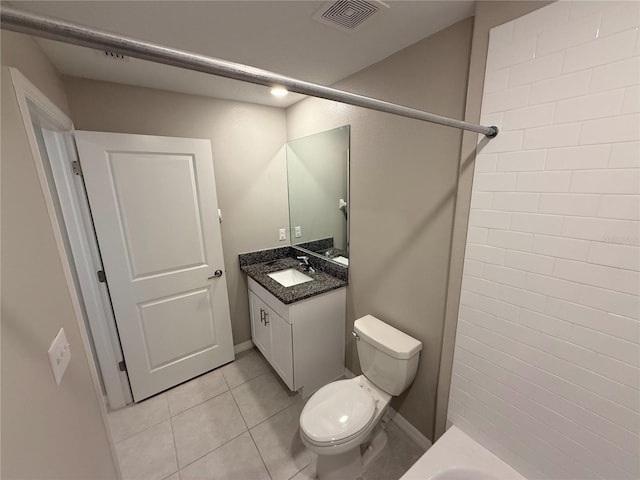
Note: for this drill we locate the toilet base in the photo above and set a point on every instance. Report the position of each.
(352, 463)
(347, 465)
(375, 446)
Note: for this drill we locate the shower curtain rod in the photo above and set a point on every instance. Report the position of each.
(75, 34)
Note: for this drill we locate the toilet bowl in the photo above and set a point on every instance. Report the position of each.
(340, 416)
(342, 422)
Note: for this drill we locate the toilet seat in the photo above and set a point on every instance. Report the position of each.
(337, 413)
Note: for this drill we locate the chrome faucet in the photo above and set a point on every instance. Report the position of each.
(305, 263)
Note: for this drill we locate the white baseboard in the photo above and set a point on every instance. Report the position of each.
(402, 423)
(412, 432)
(241, 347)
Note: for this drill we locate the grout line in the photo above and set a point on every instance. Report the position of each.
(493, 364)
(265, 420)
(169, 476)
(249, 430)
(145, 428)
(547, 423)
(229, 389)
(175, 447)
(260, 455)
(249, 380)
(537, 367)
(170, 415)
(271, 416)
(555, 337)
(235, 402)
(541, 439)
(237, 436)
(141, 431)
(552, 276)
(211, 451)
(548, 314)
(198, 404)
(299, 471)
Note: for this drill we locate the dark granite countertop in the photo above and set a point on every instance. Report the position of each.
(322, 282)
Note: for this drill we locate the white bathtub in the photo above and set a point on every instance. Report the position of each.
(456, 456)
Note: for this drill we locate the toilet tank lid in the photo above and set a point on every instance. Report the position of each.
(388, 339)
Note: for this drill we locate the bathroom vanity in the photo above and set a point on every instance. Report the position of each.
(299, 329)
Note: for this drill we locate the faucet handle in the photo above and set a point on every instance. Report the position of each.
(304, 258)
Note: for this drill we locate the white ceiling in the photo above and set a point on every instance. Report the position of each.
(280, 36)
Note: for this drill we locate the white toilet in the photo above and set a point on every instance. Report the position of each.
(341, 422)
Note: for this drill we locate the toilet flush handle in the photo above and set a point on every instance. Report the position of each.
(355, 335)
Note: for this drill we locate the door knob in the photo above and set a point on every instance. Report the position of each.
(216, 274)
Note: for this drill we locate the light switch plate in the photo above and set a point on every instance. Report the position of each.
(282, 234)
(298, 231)
(59, 355)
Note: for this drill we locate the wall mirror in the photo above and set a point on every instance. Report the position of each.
(318, 182)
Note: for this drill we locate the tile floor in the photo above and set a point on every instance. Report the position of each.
(236, 422)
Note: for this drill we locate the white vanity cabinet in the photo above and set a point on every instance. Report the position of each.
(272, 335)
(303, 341)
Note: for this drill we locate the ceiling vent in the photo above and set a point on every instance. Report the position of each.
(346, 15)
(112, 55)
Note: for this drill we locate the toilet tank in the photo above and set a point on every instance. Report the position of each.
(388, 357)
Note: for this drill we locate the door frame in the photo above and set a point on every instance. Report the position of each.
(85, 254)
(68, 199)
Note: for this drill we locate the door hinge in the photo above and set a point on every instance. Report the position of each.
(102, 277)
(75, 168)
(122, 366)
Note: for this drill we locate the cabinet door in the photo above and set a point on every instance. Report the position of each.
(281, 347)
(260, 331)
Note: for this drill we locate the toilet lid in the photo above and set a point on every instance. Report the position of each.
(337, 411)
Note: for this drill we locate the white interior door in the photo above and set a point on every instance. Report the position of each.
(154, 207)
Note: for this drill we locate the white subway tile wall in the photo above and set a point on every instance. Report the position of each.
(547, 363)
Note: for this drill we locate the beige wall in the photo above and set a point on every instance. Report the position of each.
(488, 15)
(47, 431)
(403, 189)
(22, 52)
(248, 143)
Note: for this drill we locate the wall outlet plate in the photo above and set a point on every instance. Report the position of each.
(298, 231)
(59, 355)
(282, 234)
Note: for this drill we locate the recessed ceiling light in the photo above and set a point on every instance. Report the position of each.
(279, 91)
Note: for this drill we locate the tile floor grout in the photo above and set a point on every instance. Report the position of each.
(291, 462)
(175, 447)
(229, 389)
(220, 446)
(299, 471)
(266, 469)
(249, 430)
(145, 428)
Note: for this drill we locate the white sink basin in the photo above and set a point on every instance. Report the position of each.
(290, 277)
(343, 260)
